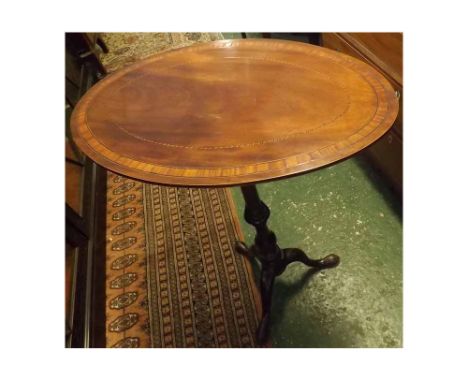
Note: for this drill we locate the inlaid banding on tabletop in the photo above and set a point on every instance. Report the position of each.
(228, 113)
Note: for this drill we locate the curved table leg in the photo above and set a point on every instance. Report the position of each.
(273, 259)
(294, 254)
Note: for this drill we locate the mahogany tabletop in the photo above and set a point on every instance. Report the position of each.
(233, 112)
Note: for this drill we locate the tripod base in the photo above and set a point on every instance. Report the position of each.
(273, 259)
(272, 269)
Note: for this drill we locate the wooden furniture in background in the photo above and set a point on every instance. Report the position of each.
(384, 52)
(236, 112)
(85, 198)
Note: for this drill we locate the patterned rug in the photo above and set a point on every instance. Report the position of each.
(127, 48)
(173, 277)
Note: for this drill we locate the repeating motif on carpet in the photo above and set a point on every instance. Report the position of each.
(174, 279)
(200, 291)
(127, 319)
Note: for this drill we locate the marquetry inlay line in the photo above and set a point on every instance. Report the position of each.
(342, 133)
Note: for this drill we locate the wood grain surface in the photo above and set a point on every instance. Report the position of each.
(233, 112)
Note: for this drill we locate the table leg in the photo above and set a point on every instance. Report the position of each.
(273, 259)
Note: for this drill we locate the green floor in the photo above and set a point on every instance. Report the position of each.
(345, 209)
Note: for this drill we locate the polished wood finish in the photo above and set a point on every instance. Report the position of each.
(233, 112)
(383, 51)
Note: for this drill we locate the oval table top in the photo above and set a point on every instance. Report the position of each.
(233, 112)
